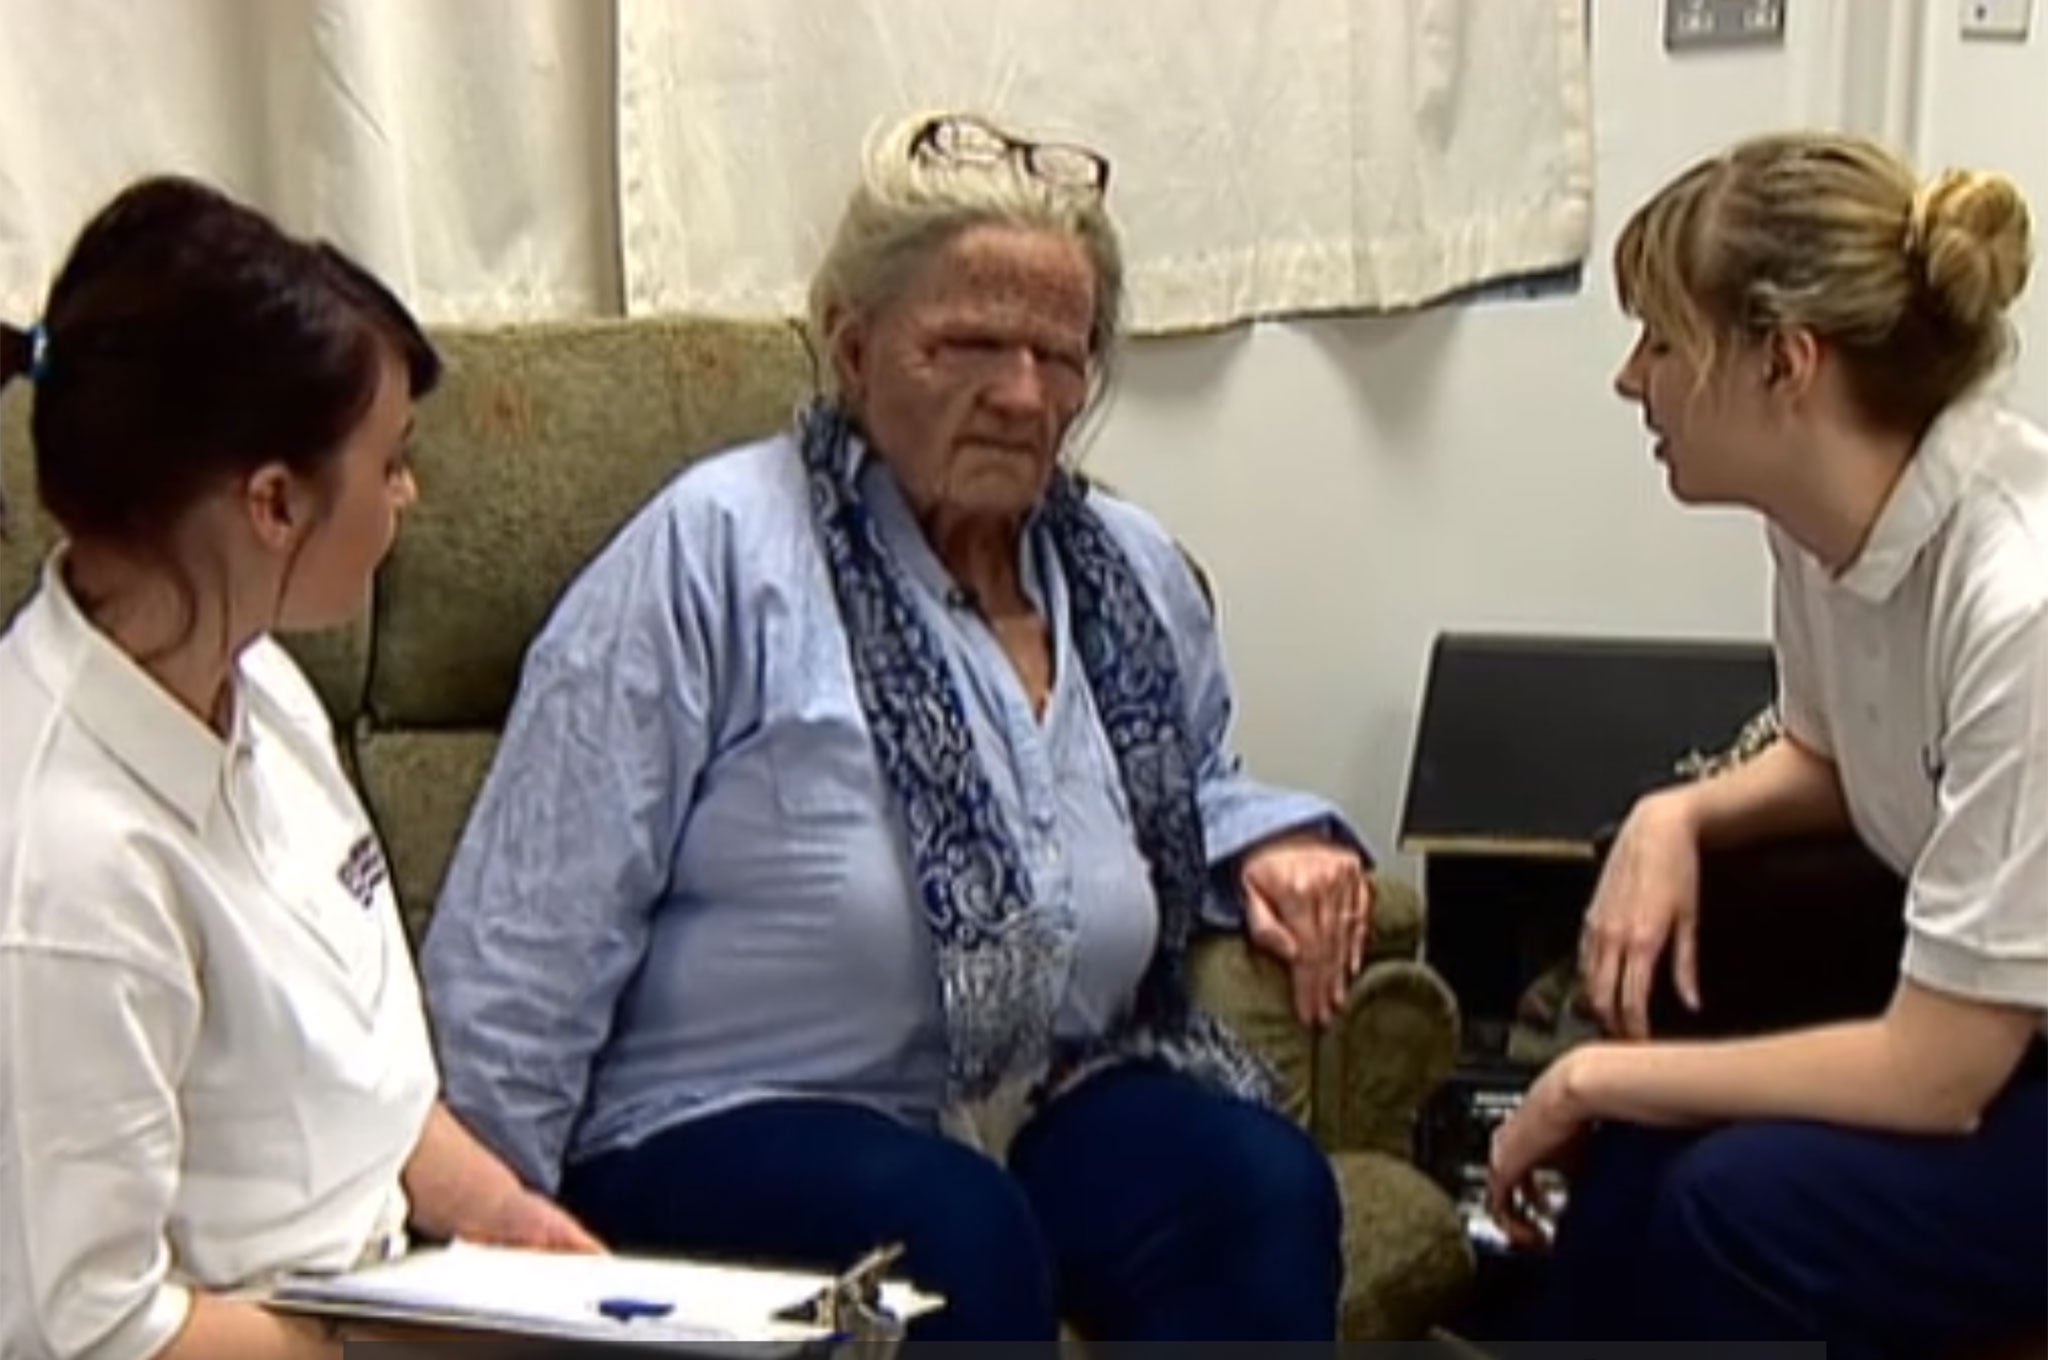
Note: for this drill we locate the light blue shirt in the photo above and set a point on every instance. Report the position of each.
(683, 886)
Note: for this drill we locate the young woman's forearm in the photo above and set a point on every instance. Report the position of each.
(232, 1329)
(1784, 790)
(1929, 1065)
(451, 1176)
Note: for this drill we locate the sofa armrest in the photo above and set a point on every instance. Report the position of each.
(1397, 920)
(1360, 1083)
(1394, 1045)
(1249, 990)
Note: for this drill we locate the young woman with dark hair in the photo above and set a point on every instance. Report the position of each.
(214, 1065)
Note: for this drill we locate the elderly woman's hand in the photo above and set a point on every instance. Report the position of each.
(1308, 903)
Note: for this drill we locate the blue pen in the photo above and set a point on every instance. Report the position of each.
(626, 1310)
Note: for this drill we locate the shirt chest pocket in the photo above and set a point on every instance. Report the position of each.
(813, 738)
(823, 768)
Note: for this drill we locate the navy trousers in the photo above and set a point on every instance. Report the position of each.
(1880, 1244)
(1138, 1206)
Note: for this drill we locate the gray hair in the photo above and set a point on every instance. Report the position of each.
(906, 208)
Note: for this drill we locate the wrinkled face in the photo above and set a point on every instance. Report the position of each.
(329, 581)
(968, 381)
(1713, 437)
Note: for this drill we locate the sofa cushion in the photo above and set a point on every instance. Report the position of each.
(1406, 1258)
(1249, 989)
(543, 440)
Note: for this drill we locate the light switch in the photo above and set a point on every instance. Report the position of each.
(2007, 19)
(1723, 23)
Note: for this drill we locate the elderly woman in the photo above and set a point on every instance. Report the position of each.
(856, 810)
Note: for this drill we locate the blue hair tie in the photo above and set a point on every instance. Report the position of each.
(38, 352)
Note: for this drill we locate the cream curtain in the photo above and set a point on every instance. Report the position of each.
(463, 148)
(1271, 156)
(517, 159)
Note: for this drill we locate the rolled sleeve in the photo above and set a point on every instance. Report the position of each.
(1977, 904)
(1242, 814)
(90, 1147)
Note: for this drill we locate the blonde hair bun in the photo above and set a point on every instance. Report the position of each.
(1970, 233)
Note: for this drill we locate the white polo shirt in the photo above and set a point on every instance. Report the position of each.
(1922, 669)
(213, 1057)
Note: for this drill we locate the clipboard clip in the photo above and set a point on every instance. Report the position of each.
(851, 1308)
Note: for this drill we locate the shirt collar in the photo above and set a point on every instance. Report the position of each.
(128, 712)
(1920, 502)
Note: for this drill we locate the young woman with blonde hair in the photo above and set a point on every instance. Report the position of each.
(1822, 337)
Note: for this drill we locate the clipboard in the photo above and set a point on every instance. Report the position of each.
(637, 1303)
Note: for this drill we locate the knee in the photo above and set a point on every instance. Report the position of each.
(1276, 1217)
(1275, 1182)
(972, 1213)
(972, 1237)
(1717, 1199)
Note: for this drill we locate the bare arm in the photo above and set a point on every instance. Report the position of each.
(459, 1188)
(1785, 790)
(1928, 1065)
(232, 1329)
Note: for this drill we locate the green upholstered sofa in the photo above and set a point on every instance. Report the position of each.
(543, 440)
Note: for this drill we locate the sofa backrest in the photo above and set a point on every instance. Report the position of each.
(542, 441)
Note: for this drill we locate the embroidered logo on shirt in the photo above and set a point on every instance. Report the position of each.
(364, 871)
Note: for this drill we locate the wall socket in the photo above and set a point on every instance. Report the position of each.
(1725, 23)
(2007, 19)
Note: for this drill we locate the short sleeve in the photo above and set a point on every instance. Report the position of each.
(1977, 905)
(95, 1031)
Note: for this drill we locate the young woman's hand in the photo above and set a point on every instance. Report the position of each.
(522, 1218)
(1648, 897)
(1539, 1136)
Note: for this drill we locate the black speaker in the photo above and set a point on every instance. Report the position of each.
(1529, 749)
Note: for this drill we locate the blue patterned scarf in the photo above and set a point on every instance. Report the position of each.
(1003, 959)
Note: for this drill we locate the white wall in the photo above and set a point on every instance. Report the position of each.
(1358, 485)
(1986, 104)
